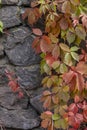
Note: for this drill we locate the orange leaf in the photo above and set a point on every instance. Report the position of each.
(37, 31)
(47, 102)
(45, 47)
(47, 39)
(36, 45)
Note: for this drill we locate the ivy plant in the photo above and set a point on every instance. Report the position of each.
(64, 60)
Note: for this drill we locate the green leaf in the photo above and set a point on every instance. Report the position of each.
(46, 69)
(55, 64)
(80, 31)
(64, 47)
(60, 124)
(70, 37)
(63, 68)
(55, 117)
(49, 83)
(75, 56)
(68, 59)
(74, 48)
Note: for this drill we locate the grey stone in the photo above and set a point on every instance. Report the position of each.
(37, 104)
(1, 51)
(15, 36)
(15, 2)
(23, 54)
(29, 77)
(10, 16)
(3, 77)
(19, 118)
(11, 100)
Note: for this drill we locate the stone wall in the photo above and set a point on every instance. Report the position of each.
(17, 55)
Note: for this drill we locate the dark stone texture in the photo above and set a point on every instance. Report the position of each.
(10, 16)
(3, 78)
(15, 36)
(29, 77)
(10, 100)
(19, 118)
(15, 2)
(37, 104)
(23, 54)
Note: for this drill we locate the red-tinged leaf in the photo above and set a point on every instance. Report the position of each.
(49, 59)
(21, 94)
(56, 52)
(70, 113)
(79, 118)
(37, 13)
(80, 82)
(63, 24)
(47, 39)
(81, 68)
(46, 93)
(48, 113)
(36, 45)
(73, 108)
(44, 123)
(37, 31)
(31, 17)
(47, 102)
(85, 115)
(76, 99)
(67, 77)
(45, 47)
(84, 21)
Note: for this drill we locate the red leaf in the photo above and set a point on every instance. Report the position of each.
(76, 99)
(81, 67)
(49, 59)
(56, 52)
(36, 45)
(73, 108)
(80, 82)
(37, 31)
(45, 47)
(67, 77)
(47, 39)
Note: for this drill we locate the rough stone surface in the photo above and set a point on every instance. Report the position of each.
(10, 16)
(16, 36)
(23, 54)
(19, 118)
(36, 103)
(17, 56)
(15, 2)
(29, 77)
(10, 101)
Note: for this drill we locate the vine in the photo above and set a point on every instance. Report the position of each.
(64, 60)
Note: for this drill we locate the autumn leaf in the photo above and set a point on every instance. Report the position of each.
(80, 31)
(63, 24)
(81, 68)
(64, 47)
(37, 31)
(36, 45)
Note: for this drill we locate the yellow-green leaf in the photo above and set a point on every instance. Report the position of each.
(75, 56)
(64, 47)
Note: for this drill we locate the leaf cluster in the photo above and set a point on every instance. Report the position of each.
(64, 61)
